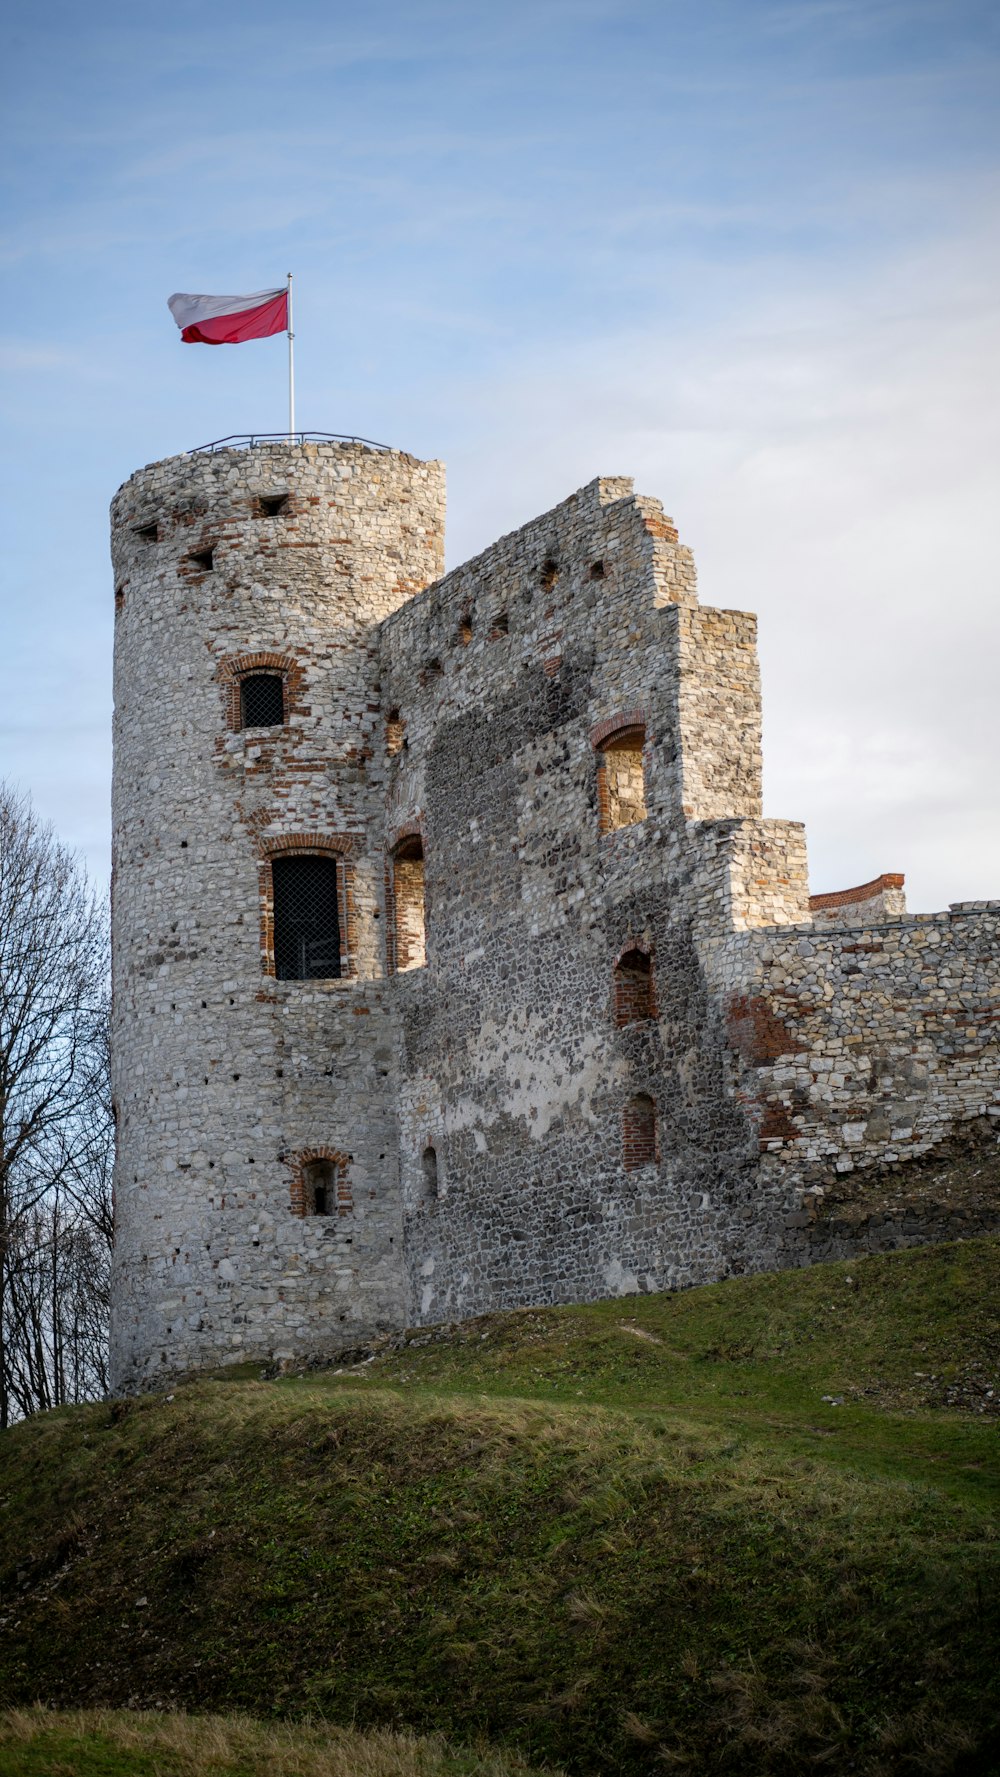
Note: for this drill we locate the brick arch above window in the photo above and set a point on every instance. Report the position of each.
(232, 670)
(615, 727)
(341, 847)
(303, 1187)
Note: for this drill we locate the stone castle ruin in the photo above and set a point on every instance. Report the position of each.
(455, 967)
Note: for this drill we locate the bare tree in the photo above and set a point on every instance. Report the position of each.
(55, 1112)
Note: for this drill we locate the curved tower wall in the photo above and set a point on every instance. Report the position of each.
(224, 1077)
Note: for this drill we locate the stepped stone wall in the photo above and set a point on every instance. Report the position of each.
(590, 1035)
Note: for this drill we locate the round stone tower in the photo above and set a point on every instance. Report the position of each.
(257, 1198)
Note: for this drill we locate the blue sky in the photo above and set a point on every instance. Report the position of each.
(746, 252)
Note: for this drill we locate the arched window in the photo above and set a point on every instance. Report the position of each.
(429, 1177)
(262, 700)
(319, 1187)
(639, 1133)
(408, 932)
(633, 987)
(621, 783)
(306, 918)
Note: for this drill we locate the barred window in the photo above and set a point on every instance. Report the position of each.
(306, 919)
(262, 700)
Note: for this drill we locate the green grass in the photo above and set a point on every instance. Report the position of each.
(621, 1538)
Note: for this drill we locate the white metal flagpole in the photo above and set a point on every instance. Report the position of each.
(291, 367)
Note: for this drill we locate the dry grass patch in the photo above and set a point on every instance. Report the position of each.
(106, 1743)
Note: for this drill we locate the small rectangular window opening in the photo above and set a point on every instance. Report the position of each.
(272, 504)
(202, 558)
(501, 625)
(262, 701)
(148, 533)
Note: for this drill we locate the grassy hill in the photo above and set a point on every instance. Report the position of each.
(746, 1528)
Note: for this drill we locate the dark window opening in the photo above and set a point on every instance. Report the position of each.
(306, 919)
(272, 504)
(148, 533)
(262, 700)
(119, 597)
(429, 1170)
(597, 570)
(501, 624)
(433, 667)
(202, 558)
(465, 632)
(550, 573)
(633, 988)
(319, 1187)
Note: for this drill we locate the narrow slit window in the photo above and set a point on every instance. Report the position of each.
(306, 919)
(262, 700)
(429, 1177)
(408, 898)
(464, 633)
(622, 780)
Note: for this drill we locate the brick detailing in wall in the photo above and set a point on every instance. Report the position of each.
(639, 1133)
(866, 891)
(315, 1170)
(756, 1031)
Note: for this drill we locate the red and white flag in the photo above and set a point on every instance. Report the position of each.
(229, 320)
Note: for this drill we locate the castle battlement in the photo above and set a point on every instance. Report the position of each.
(455, 967)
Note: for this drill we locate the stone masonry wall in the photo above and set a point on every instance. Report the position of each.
(859, 1050)
(508, 675)
(224, 1078)
(590, 1034)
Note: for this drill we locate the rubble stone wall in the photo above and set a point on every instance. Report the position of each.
(527, 770)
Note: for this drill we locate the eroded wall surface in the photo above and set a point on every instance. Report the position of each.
(509, 675)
